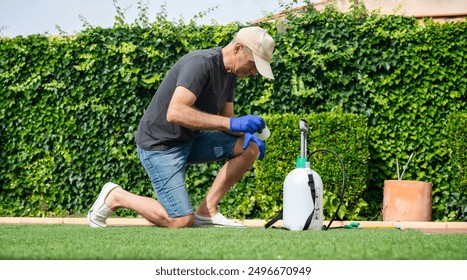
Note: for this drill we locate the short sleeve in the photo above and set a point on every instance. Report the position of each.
(193, 75)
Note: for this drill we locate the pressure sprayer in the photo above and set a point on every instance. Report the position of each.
(303, 192)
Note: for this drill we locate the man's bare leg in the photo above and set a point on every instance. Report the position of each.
(148, 207)
(232, 171)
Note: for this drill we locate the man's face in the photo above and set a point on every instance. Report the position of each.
(245, 63)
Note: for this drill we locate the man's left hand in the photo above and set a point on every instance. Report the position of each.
(260, 143)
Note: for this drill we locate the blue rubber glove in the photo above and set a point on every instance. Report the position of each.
(247, 124)
(260, 143)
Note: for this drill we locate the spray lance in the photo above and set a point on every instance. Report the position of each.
(303, 192)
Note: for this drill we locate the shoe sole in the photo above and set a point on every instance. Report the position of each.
(219, 226)
(108, 187)
(204, 224)
(239, 226)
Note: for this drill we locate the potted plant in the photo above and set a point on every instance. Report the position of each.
(405, 200)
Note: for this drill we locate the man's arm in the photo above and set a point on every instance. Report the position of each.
(181, 112)
(227, 110)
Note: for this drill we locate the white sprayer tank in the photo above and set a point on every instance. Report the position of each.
(298, 202)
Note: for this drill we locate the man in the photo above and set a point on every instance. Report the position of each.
(191, 120)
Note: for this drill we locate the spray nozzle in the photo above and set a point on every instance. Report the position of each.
(303, 125)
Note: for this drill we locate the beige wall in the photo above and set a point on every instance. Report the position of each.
(438, 9)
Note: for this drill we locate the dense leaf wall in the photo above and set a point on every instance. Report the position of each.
(69, 106)
(342, 133)
(457, 141)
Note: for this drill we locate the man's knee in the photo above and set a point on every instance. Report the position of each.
(182, 222)
(251, 151)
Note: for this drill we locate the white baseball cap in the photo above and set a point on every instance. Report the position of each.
(261, 44)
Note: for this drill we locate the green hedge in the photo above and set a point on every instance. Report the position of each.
(406, 77)
(345, 134)
(457, 199)
(69, 105)
(259, 193)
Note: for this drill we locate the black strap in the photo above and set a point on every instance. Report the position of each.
(311, 184)
(273, 221)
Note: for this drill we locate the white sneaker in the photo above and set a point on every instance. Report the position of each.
(99, 212)
(217, 220)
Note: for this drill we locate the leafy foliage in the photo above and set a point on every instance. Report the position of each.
(406, 77)
(345, 134)
(70, 105)
(456, 207)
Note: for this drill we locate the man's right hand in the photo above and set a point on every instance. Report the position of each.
(247, 124)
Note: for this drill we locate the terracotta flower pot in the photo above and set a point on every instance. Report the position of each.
(407, 201)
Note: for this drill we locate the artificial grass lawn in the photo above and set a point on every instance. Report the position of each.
(79, 242)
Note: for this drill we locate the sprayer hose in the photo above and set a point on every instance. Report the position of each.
(343, 183)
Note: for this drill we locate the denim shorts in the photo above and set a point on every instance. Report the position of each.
(166, 169)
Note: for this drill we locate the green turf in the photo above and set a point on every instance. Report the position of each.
(77, 242)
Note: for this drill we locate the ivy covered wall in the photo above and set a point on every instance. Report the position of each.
(70, 105)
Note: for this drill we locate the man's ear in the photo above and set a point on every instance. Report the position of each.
(238, 47)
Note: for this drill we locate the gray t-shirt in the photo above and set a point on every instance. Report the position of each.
(203, 73)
